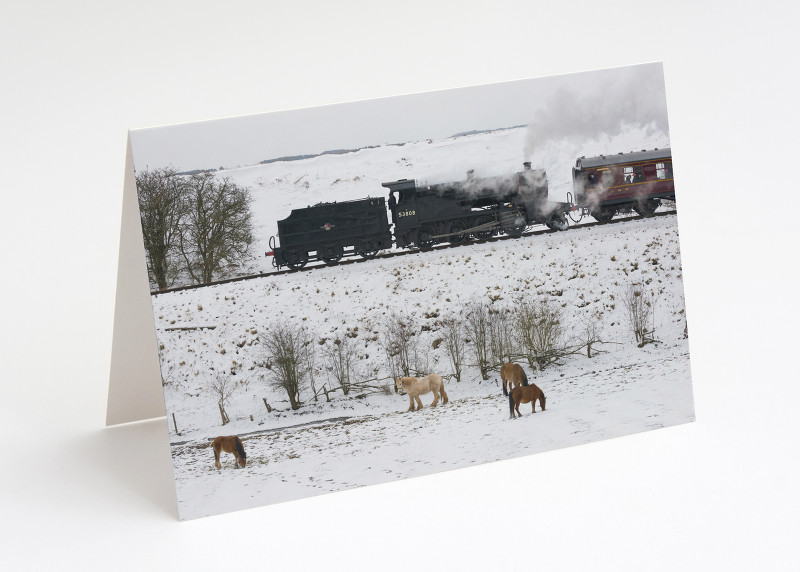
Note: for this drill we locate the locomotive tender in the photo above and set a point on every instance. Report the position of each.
(606, 185)
(329, 231)
(424, 215)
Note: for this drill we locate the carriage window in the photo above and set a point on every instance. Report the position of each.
(592, 179)
(638, 174)
(668, 169)
(628, 171)
(661, 172)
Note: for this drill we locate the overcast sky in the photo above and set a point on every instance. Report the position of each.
(580, 104)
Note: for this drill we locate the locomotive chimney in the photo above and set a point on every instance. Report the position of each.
(527, 165)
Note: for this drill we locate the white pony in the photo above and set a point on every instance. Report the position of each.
(416, 386)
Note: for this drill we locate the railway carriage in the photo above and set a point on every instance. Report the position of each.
(608, 184)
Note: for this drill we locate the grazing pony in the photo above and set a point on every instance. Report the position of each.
(514, 375)
(525, 394)
(416, 386)
(231, 444)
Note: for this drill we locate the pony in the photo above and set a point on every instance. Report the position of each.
(416, 386)
(513, 374)
(231, 444)
(525, 394)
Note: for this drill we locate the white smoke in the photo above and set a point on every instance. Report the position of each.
(616, 112)
(614, 103)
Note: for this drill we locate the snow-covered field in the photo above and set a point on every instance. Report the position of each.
(369, 438)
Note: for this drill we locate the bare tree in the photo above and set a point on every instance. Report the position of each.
(400, 345)
(162, 207)
(221, 386)
(501, 339)
(477, 325)
(284, 345)
(310, 363)
(339, 360)
(540, 332)
(590, 332)
(217, 229)
(453, 334)
(640, 312)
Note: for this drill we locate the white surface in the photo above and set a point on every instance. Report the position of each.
(719, 493)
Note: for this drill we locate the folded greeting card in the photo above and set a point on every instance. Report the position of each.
(327, 298)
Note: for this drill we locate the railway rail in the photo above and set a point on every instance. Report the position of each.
(404, 252)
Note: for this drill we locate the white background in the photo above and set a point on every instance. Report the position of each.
(720, 493)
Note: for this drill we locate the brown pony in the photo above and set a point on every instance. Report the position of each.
(525, 394)
(416, 386)
(514, 375)
(231, 444)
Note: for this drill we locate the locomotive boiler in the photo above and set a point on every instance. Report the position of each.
(476, 207)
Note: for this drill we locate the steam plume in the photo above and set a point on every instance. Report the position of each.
(612, 104)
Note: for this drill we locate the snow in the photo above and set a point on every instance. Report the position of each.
(360, 439)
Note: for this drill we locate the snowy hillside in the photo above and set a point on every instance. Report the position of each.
(368, 437)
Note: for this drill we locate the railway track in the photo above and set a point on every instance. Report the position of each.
(404, 252)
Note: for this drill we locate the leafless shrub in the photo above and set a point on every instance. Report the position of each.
(499, 328)
(422, 365)
(477, 326)
(540, 332)
(400, 343)
(639, 306)
(339, 358)
(309, 358)
(454, 344)
(590, 332)
(284, 346)
(222, 386)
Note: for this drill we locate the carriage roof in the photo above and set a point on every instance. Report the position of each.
(620, 158)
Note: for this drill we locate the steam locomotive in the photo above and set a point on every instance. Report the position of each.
(423, 216)
(475, 208)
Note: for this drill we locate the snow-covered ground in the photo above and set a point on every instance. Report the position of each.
(369, 438)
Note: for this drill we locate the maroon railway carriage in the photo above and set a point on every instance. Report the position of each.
(609, 184)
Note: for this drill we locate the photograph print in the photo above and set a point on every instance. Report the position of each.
(357, 293)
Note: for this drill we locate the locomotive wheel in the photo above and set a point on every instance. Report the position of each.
(605, 214)
(424, 237)
(457, 226)
(647, 208)
(295, 258)
(331, 253)
(515, 231)
(367, 248)
(557, 222)
(484, 234)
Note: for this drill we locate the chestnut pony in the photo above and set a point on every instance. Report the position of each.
(231, 444)
(514, 375)
(525, 394)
